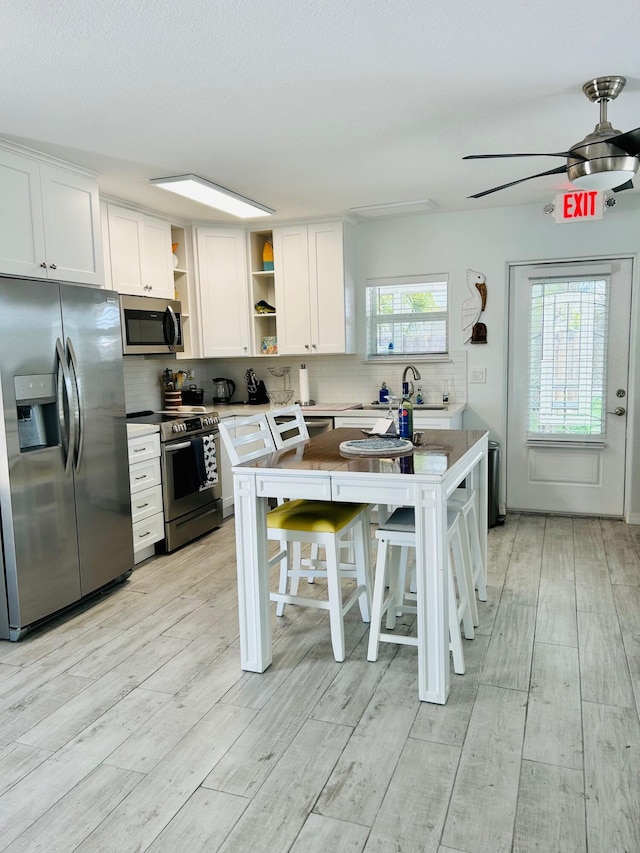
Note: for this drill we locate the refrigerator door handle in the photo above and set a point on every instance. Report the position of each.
(171, 315)
(78, 411)
(65, 389)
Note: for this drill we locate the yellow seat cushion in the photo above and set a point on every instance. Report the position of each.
(312, 516)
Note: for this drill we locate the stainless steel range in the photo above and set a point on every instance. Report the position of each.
(192, 496)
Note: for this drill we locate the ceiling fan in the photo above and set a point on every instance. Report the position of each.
(605, 159)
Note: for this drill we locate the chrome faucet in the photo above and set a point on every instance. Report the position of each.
(416, 376)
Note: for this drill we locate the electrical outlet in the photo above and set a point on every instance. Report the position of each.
(478, 374)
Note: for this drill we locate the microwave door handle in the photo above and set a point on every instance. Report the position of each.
(174, 323)
(65, 389)
(78, 413)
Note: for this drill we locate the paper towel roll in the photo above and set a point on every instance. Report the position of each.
(303, 379)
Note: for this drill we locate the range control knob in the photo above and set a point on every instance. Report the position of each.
(175, 428)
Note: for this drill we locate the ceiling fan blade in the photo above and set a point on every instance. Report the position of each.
(559, 171)
(628, 185)
(545, 154)
(629, 141)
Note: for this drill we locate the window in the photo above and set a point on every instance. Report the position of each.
(567, 356)
(407, 316)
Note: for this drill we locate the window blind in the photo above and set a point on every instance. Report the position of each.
(567, 356)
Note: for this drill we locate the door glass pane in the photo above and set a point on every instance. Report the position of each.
(567, 356)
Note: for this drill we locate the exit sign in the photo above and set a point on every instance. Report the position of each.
(579, 206)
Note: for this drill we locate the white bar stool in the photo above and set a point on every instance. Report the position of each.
(464, 501)
(399, 531)
(297, 522)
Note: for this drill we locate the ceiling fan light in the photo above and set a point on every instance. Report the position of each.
(603, 173)
(206, 192)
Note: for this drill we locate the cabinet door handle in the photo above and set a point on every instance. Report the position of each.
(141, 477)
(53, 266)
(43, 265)
(306, 346)
(142, 535)
(142, 506)
(139, 449)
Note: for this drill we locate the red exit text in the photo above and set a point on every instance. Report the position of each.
(579, 206)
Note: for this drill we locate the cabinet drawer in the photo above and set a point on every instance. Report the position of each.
(146, 503)
(144, 447)
(148, 531)
(143, 475)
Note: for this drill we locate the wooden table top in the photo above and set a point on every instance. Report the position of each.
(440, 450)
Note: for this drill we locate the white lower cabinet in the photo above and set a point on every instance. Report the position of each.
(146, 494)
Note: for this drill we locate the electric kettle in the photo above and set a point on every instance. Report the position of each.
(223, 390)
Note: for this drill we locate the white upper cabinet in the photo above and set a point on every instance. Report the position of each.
(139, 253)
(313, 289)
(223, 289)
(49, 220)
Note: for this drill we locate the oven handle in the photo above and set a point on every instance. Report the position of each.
(182, 446)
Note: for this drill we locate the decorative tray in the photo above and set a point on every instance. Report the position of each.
(379, 446)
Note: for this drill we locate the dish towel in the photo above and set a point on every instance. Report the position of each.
(205, 452)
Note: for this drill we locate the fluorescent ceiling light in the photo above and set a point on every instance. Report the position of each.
(395, 207)
(199, 189)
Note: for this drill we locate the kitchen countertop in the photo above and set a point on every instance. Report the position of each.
(137, 430)
(332, 410)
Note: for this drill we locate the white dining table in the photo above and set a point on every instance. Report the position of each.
(317, 470)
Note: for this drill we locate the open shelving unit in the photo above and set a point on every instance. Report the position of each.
(183, 288)
(264, 326)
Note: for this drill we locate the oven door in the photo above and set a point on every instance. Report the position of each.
(180, 487)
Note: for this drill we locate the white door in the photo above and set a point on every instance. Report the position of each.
(126, 235)
(326, 288)
(567, 396)
(224, 292)
(71, 215)
(291, 265)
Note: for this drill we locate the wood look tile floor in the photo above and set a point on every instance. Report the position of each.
(127, 725)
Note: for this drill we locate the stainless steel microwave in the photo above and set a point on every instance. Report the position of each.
(150, 325)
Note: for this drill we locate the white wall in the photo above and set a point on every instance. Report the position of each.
(484, 240)
(488, 241)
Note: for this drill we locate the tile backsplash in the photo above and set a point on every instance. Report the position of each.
(332, 379)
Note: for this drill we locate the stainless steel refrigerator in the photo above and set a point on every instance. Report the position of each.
(64, 477)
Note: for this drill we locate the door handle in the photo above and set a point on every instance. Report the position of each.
(78, 413)
(65, 389)
(171, 315)
(619, 411)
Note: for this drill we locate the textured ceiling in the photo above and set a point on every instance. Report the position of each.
(313, 109)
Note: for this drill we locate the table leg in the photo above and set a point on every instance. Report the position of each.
(432, 554)
(253, 574)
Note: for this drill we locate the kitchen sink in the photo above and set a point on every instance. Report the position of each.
(417, 407)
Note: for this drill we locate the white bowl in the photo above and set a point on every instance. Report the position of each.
(281, 397)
